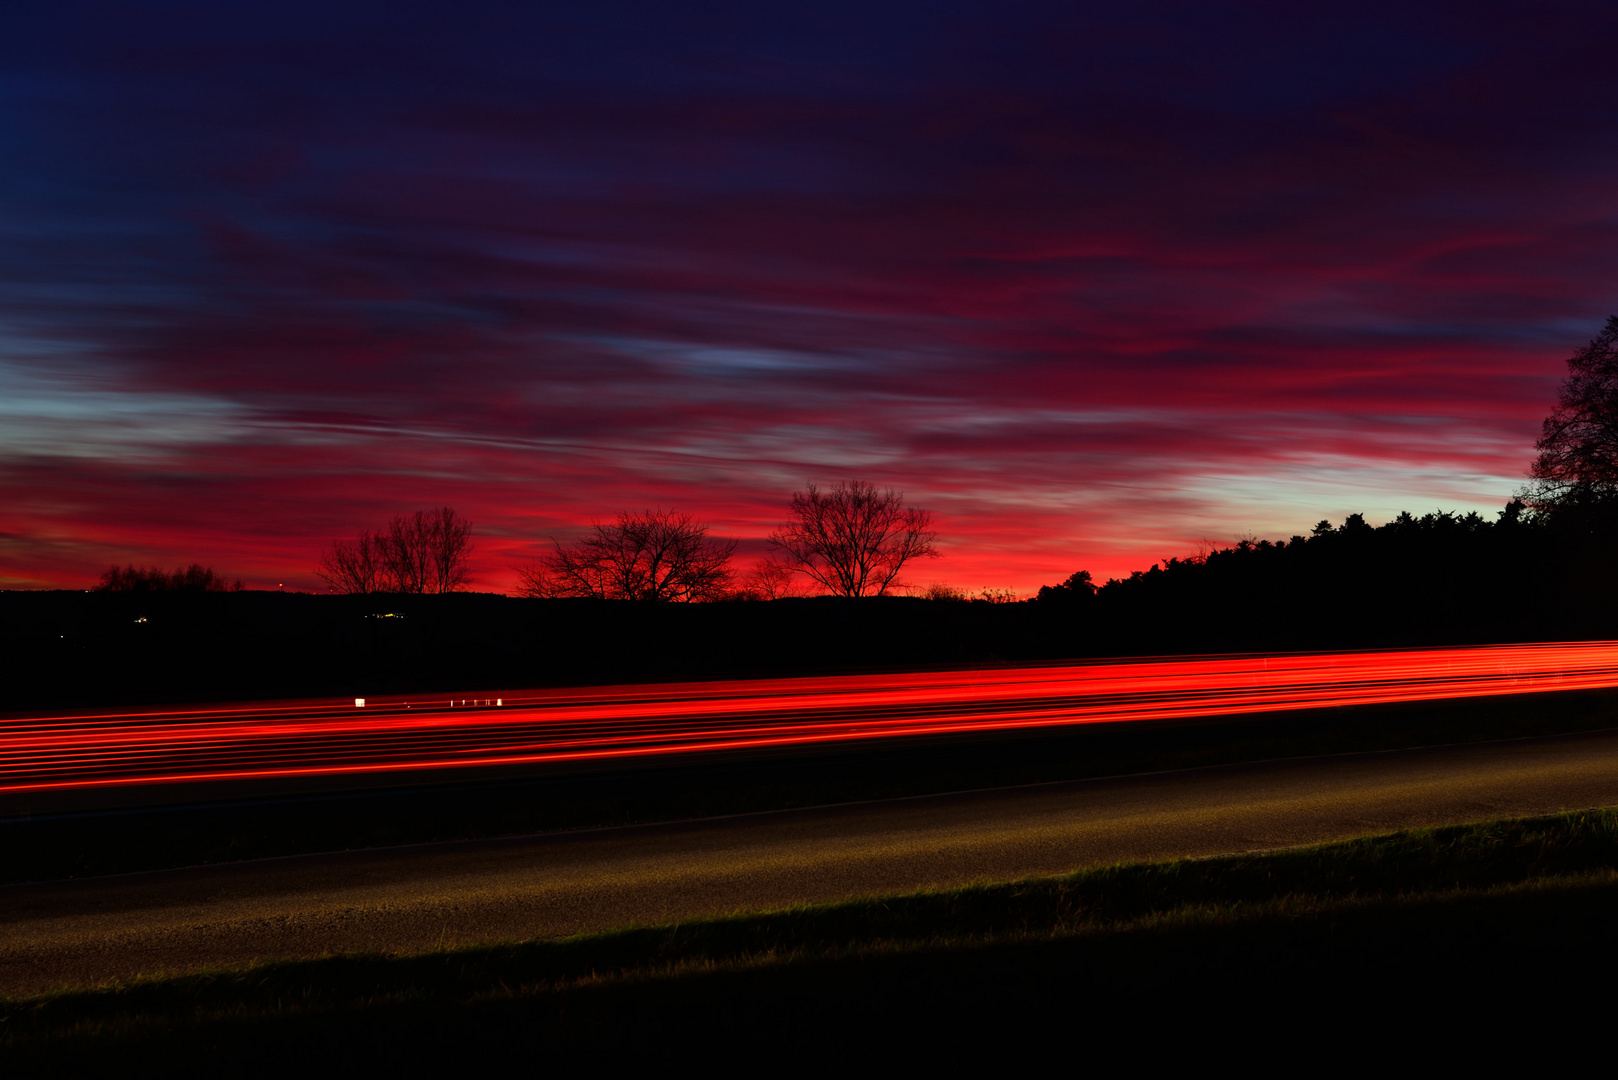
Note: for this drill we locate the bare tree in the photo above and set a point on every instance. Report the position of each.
(448, 538)
(356, 566)
(424, 552)
(853, 540)
(407, 546)
(536, 580)
(771, 580)
(654, 555)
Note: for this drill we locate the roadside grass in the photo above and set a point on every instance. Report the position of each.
(1398, 918)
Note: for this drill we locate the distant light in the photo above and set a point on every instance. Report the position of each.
(359, 703)
(499, 701)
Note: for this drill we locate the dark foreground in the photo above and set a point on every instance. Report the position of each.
(413, 899)
(1405, 943)
(117, 649)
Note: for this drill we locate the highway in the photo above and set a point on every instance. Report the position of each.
(281, 741)
(414, 898)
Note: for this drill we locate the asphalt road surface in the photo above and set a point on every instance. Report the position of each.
(414, 898)
(90, 757)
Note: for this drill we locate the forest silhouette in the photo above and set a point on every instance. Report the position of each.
(1439, 578)
(1543, 569)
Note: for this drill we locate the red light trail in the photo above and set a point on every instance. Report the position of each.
(322, 739)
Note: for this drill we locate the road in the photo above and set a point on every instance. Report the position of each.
(413, 898)
(279, 742)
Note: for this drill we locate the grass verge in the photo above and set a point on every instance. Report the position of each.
(1407, 920)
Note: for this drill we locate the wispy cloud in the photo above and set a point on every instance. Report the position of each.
(1093, 287)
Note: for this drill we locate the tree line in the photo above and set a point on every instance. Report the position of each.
(426, 552)
(1428, 579)
(154, 579)
(1545, 561)
(849, 540)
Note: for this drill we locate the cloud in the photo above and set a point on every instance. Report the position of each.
(1092, 287)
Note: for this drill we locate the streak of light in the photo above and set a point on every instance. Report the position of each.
(295, 739)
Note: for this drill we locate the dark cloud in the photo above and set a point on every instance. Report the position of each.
(1093, 284)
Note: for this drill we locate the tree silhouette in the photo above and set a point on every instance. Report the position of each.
(853, 540)
(771, 581)
(1077, 589)
(424, 552)
(358, 565)
(193, 578)
(655, 555)
(1578, 445)
(428, 551)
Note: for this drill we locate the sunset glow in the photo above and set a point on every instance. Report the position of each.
(1093, 285)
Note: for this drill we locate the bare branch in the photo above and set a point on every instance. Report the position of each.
(355, 566)
(536, 580)
(655, 555)
(772, 580)
(427, 551)
(853, 540)
(449, 548)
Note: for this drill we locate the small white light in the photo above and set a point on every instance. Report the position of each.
(499, 701)
(359, 703)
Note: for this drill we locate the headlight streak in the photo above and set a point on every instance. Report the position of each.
(330, 739)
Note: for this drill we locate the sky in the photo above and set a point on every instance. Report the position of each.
(1094, 283)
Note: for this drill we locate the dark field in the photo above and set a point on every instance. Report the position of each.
(117, 649)
(1433, 921)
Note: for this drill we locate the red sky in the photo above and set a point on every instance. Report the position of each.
(1093, 288)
